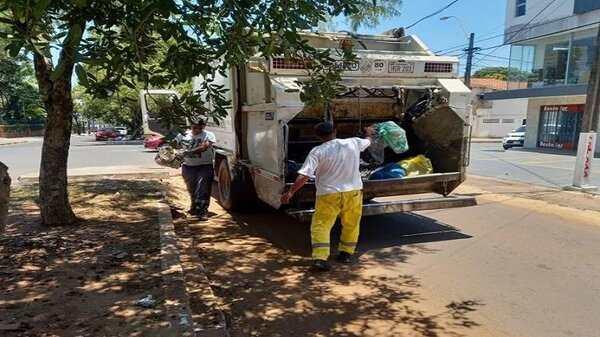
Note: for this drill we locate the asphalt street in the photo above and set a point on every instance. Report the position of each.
(487, 159)
(525, 165)
(518, 268)
(24, 159)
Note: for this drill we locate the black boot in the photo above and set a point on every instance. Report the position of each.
(321, 265)
(344, 257)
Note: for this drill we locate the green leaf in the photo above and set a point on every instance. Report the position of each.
(39, 8)
(79, 3)
(14, 47)
(59, 35)
(81, 75)
(128, 83)
(74, 36)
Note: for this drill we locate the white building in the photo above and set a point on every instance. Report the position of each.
(553, 45)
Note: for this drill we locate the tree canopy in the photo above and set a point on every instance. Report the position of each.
(123, 41)
(502, 73)
(19, 98)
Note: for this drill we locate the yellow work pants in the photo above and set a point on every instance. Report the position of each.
(347, 205)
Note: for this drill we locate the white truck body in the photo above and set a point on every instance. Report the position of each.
(268, 125)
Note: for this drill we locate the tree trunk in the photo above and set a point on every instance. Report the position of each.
(54, 203)
(4, 195)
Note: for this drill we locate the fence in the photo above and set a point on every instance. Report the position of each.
(15, 130)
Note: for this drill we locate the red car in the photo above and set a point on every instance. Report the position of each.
(154, 141)
(107, 133)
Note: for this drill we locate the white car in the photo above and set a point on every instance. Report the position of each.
(514, 138)
(122, 130)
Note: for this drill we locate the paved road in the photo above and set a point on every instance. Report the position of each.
(509, 267)
(554, 170)
(24, 159)
(517, 269)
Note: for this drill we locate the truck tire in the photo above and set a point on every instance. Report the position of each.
(506, 147)
(235, 192)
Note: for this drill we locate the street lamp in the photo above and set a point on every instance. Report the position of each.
(470, 50)
(443, 18)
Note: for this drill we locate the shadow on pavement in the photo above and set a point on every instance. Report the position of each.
(258, 265)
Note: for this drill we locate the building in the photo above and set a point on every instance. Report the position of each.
(489, 120)
(553, 45)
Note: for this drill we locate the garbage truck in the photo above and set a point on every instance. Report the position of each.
(268, 131)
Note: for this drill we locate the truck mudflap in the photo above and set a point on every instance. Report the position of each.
(397, 206)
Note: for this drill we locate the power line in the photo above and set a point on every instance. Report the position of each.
(434, 13)
(458, 47)
(519, 30)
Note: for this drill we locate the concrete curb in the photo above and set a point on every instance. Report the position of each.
(80, 177)
(13, 142)
(209, 320)
(486, 140)
(177, 304)
(125, 142)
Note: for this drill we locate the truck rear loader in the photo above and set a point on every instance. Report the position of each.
(268, 131)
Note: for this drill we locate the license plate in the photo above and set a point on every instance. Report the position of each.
(401, 67)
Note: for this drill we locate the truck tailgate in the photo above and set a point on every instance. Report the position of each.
(440, 183)
(397, 206)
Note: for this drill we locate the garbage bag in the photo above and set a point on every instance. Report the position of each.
(389, 171)
(169, 157)
(377, 148)
(416, 165)
(393, 136)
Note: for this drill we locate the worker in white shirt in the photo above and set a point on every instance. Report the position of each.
(335, 166)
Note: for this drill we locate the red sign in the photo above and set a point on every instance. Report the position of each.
(564, 108)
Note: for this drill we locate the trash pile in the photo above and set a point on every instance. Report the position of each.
(169, 157)
(390, 134)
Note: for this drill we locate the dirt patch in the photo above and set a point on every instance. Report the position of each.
(83, 280)
(258, 265)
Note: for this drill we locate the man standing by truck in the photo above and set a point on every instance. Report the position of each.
(335, 166)
(197, 169)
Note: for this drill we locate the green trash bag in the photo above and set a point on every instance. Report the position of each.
(393, 136)
(416, 166)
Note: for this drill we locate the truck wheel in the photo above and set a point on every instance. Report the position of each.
(234, 193)
(506, 147)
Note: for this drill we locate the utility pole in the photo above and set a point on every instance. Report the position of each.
(470, 51)
(589, 128)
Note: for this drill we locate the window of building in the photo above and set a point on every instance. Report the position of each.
(491, 121)
(555, 63)
(521, 66)
(508, 121)
(521, 8)
(583, 6)
(560, 126)
(564, 59)
(583, 51)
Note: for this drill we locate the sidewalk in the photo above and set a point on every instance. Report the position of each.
(515, 193)
(121, 172)
(20, 140)
(486, 140)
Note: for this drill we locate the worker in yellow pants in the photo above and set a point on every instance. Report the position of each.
(335, 167)
(347, 205)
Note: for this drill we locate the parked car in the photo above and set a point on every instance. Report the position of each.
(107, 133)
(154, 141)
(514, 138)
(122, 130)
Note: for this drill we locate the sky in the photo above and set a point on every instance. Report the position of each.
(485, 18)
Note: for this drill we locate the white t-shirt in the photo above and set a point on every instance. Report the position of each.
(191, 141)
(336, 165)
